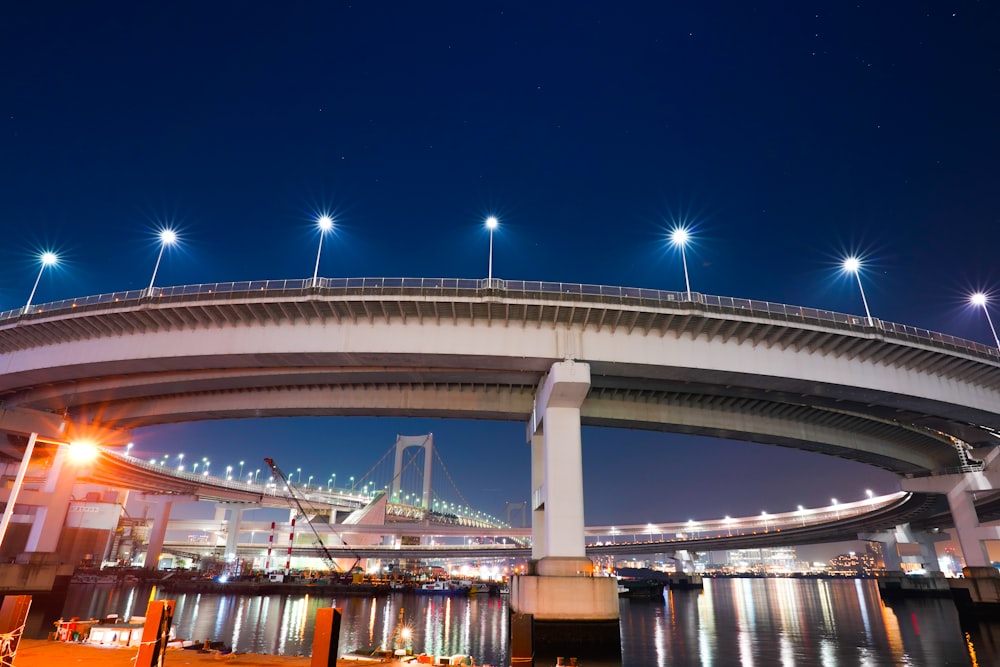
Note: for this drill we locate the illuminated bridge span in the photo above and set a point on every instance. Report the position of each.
(803, 526)
(553, 355)
(123, 471)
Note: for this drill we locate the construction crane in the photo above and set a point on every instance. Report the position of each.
(327, 557)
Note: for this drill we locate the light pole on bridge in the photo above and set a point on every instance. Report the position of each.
(853, 265)
(46, 259)
(679, 237)
(167, 237)
(325, 224)
(980, 299)
(491, 224)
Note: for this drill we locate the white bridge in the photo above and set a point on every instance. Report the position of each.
(551, 355)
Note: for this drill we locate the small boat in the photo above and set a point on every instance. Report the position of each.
(442, 588)
(478, 588)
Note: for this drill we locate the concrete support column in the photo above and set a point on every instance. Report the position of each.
(902, 545)
(159, 511)
(233, 530)
(557, 419)
(961, 489)
(50, 519)
(963, 512)
(537, 496)
(574, 613)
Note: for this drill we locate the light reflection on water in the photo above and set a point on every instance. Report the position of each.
(746, 622)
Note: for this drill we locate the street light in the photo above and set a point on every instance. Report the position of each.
(167, 237)
(310, 481)
(229, 469)
(836, 506)
(299, 471)
(79, 453)
(764, 514)
(180, 462)
(978, 299)
(46, 259)
(325, 224)
(241, 468)
(853, 265)
(679, 237)
(255, 473)
(491, 224)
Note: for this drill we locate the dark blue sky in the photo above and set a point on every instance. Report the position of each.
(786, 134)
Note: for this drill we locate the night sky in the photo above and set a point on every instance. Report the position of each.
(786, 135)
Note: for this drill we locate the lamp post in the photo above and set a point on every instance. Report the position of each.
(180, 462)
(491, 224)
(979, 299)
(836, 507)
(255, 473)
(77, 452)
(764, 515)
(853, 265)
(299, 472)
(679, 237)
(46, 259)
(325, 224)
(802, 514)
(241, 469)
(309, 481)
(167, 237)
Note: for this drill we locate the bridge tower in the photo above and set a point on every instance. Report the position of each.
(404, 442)
(574, 612)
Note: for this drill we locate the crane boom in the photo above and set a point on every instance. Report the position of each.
(319, 540)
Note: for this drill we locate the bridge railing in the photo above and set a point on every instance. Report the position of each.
(500, 287)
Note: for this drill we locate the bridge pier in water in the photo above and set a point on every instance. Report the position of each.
(574, 612)
(981, 579)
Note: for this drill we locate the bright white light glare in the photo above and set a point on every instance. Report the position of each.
(492, 222)
(168, 236)
(82, 451)
(852, 264)
(680, 236)
(978, 299)
(49, 258)
(834, 501)
(869, 493)
(325, 223)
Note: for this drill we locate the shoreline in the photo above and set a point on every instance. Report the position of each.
(45, 653)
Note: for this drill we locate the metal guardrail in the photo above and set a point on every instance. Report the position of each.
(497, 287)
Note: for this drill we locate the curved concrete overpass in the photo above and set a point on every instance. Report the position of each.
(887, 395)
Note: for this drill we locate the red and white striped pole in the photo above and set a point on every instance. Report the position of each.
(291, 541)
(270, 545)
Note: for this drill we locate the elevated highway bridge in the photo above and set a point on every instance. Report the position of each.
(554, 356)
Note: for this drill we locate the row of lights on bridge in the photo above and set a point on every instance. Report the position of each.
(296, 477)
(679, 236)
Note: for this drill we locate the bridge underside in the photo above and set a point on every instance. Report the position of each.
(885, 397)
